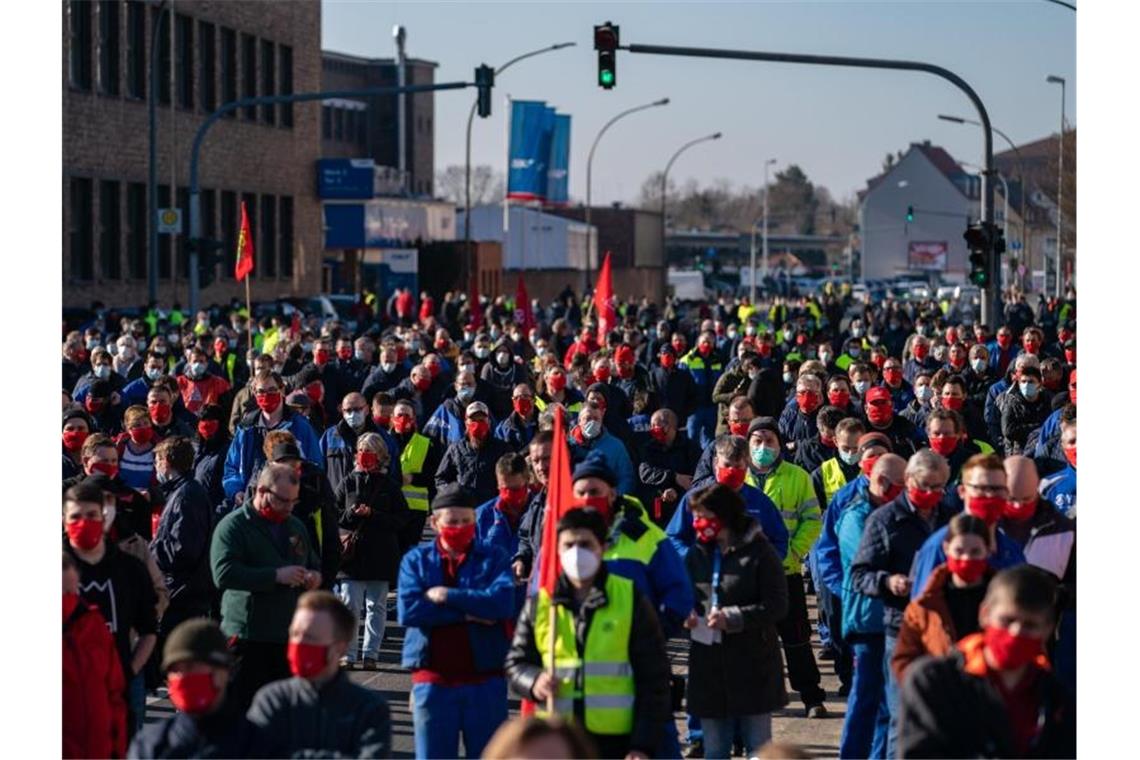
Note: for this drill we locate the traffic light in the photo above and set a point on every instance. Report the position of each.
(484, 80)
(209, 256)
(606, 43)
(909, 214)
(985, 242)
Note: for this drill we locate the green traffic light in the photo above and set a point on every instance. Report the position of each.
(606, 77)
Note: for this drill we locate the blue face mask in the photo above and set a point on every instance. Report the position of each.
(849, 457)
(763, 456)
(1029, 390)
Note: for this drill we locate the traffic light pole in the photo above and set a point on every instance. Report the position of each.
(200, 136)
(991, 296)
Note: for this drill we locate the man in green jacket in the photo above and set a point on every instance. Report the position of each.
(261, 560)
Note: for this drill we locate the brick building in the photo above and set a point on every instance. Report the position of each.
(366, 128)
(265, 156)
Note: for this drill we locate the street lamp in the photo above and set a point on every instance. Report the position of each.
(1051, 79)
(767, 163)
(589, 181)
(470, 121)
(665, 177)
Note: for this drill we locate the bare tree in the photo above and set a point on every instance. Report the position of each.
(486, 184)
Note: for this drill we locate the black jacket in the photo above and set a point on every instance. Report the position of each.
(675, 390)
(902, 433)
(377, 554)
(810, 454)
(340, 719)
(181, 547)
(946, 712)
(472, 468)
(502, 382)
(647, 656)
(210, 465)
(743, 674)
(1020, 417)
(530, 530)
(226, 733)
(378, 380)
(658, 470)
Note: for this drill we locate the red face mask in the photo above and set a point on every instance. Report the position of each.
(733, 477)
(658, 434)
(401, 353)
(969, 570)
(1070, 356)
(268, 402)
(602, 374)
(434, 369)
(867, 464)
(807, 401)
(764, 349)
(192, 693)
(159, 412)
(880, 413)
(892, 493)
(625, 371)
(322, 356)
(108, 469)
(478, 429)
(523, 406)
(403, 424)
(988, 509)
(367, 460)
(1031, 346)
(1064, 336)
(1019, 511)
(953, 402)
(382, 420)
(422, 384)
(924, 501)
(272, 515)
(839, 398)
(207, 429)
(599, 503)
(344, 354)
(827, 440)
(668, 360)
(704, 349)
(315, 392)
(141, 436)
(1010, 652)
(441, 343)
(1004, 341)
(920, 352)
(738, 428)
(958, 363)
(512, 500)
(85, 534)
(707, 528)
(944, 444)
(893, 376)
(94, 406)
(306, 660)
(73, 439)
(951, 337)
(220, 347)
(801, 340)
(678, 346)
(458, 538)
(879, 360)
(556, 383)
(1070, 454)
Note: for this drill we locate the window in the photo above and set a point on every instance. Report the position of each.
(110, 231)
(362, 128)
(229, 69)
(207, 60)
(183, 255)
(109, 47)
(286, 227)
(208, 201)
(326, 122)
(184, 60)
(250, 201)
(268, 82)
(266, 250)
(80, 233)
(136, 49)
(164, 240)
(163, 60)
(285, 64)
(136, 230)
(80, 53)
(349, 124)
(229, 228)
(249, 73)
(338, 123)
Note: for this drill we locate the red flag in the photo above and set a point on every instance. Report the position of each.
(244, 264)
(604, 300)
(476, 320)
(524, 315)
(559, 496)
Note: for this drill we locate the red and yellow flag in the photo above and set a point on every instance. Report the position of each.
(244, 264)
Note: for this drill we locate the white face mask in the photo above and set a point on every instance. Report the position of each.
(387, 366)
(482, 352)
(354, 419)
(467, 368)
(103, 371)
(862, 386)
(923, 393)
(579, 564)
(849, 457)
(108, 517)
(592, 429)
(196, 369)
(979, 365)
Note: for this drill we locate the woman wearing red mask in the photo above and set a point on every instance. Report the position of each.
(372, 512)
(947, 608)
(136, 448)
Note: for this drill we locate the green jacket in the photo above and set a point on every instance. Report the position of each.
(244, 558)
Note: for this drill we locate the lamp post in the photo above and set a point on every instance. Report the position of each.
(589, 182)
(665, 177)
(1060, 180)
(767, 163)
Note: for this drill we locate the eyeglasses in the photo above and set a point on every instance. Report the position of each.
(282, 500)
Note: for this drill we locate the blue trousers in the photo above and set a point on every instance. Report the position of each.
(367, 600)
(701, 425)
(892, 690)
(866, 723)
(440, 714)
(755, 731)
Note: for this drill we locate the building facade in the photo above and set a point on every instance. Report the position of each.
(208, 52)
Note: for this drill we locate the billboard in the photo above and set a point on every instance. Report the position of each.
(928, 256)
(345, 178)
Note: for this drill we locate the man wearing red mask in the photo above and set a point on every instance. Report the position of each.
(470, 461)
(455, 595)
(879, 412)
(1061, 487)
(920, 359)
(295, 711)
(629, 376)
(77, 425)
(418, 459)
(160, 406)
(556, 392)
(736, 380)
(740, 416)
(323, 367)
(226, 356)
(499, 520)
(207, 723)
(522, 423)
(261, 561)
(673, 389)
(996, 694)
(798, 420)
(902, 391)
(119, 585)
(665, 473)
(954, 397)
(705, 365)
(1002, 351)
(946, 434)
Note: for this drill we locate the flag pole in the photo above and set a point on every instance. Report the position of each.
(552, 618)
(248, 317)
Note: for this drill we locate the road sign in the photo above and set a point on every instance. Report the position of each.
(1015, 245)
(169, 221)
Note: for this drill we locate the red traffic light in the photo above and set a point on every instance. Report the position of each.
(606, 37)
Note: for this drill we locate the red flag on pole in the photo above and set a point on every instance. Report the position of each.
(524, 315)
(604, 300)
(244, 264)
(559, 496)
(476, 320)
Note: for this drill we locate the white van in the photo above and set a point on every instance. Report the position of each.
(687, 284)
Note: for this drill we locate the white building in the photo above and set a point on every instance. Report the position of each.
(535, 240)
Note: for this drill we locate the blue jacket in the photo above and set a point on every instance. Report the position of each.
(484, 589)
(826, 549)
(901, 396)
(493, 527)
(616, 456)
(245, 454)
(516, 432)
(795, 426)
(680, 528)
(1061, 489)
(1049, 432)
(861, 613)
(133, 393)
(998, 363)
(930, 556)
(991, 414)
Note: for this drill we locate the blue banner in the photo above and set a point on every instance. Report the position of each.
(558, 173)
(531, 126)
(345, 178)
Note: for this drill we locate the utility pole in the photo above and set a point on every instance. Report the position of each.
(400, 34)
(1060, 184)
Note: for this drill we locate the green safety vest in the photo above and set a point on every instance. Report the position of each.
(694, 360)
(412, 463)
(601, 676)
(790, 489)
(844, 361)
(833, 478)
(540, 404)
(621, 546)
(151, 320)
(231, 360)
(175, 318)
(983, 446)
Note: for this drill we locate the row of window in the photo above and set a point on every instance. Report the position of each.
(350, 124)
(227, 61)
(108, 230)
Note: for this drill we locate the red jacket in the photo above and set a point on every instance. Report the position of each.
(94, 710)
(427, 309)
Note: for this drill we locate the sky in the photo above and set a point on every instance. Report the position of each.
(836, 123)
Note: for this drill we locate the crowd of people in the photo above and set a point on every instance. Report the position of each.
(246, 500)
